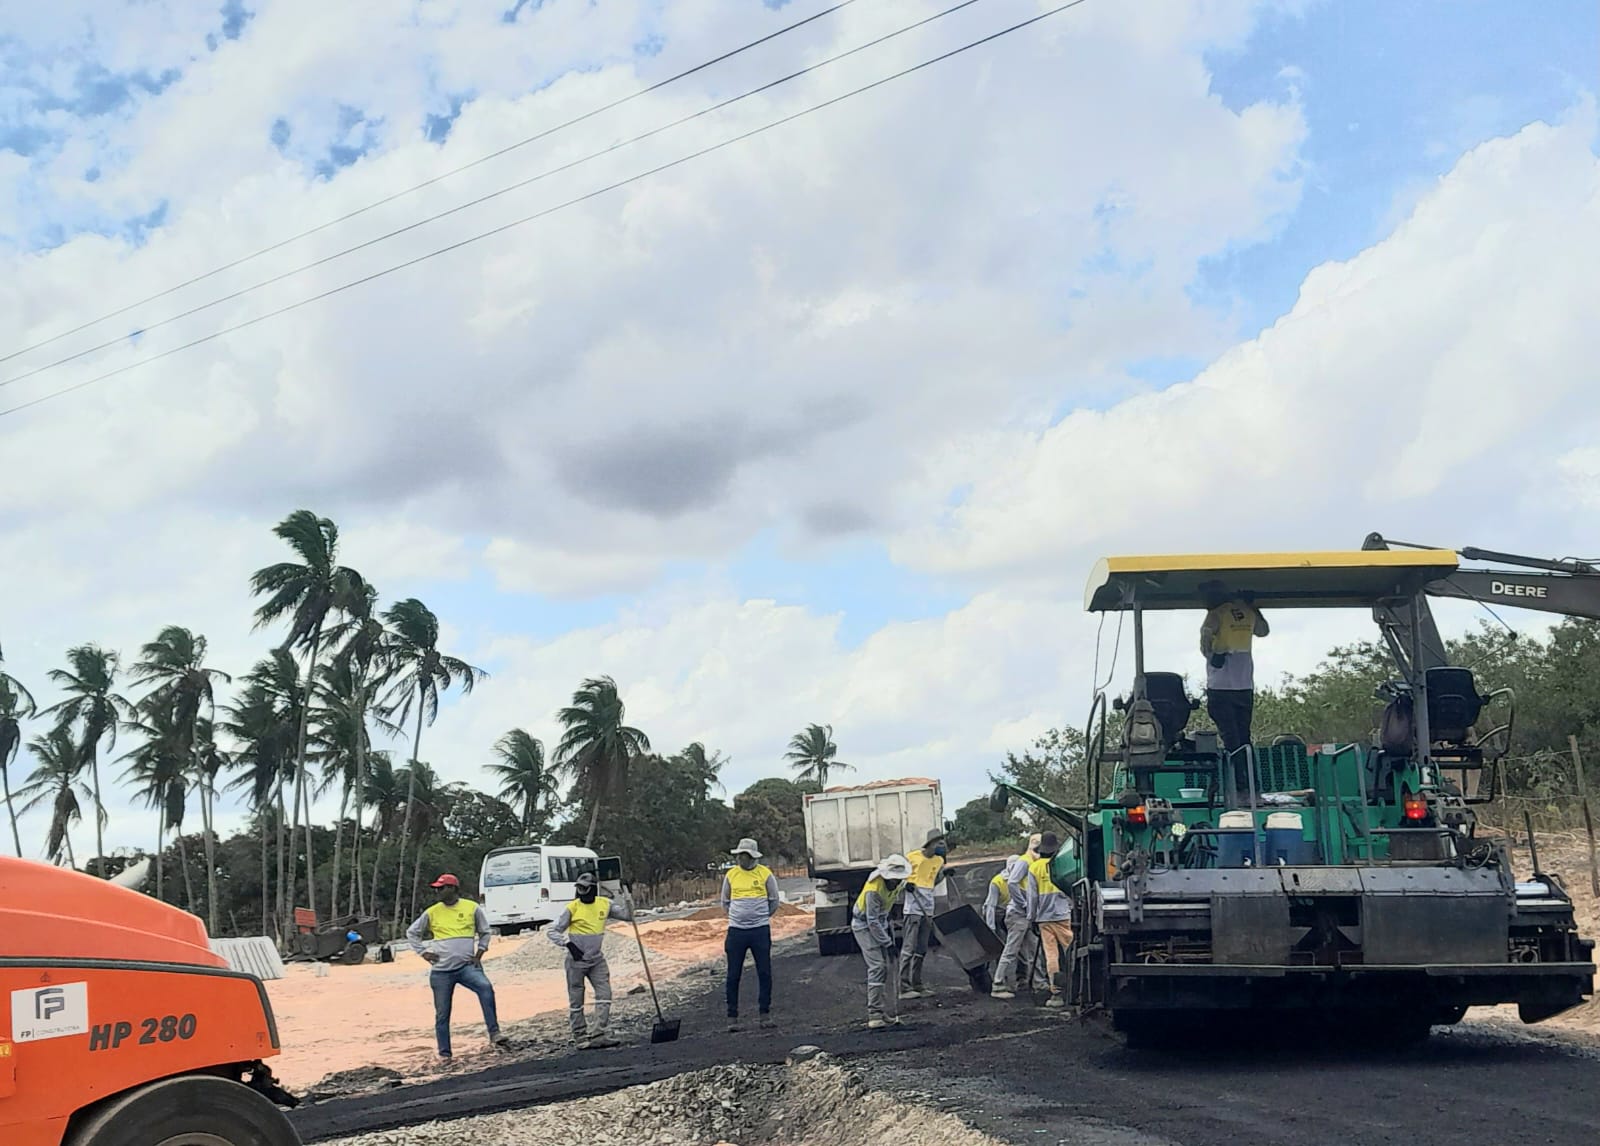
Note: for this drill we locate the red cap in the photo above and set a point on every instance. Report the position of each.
(447, 880)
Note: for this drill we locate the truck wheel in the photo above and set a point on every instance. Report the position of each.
(191, 1110)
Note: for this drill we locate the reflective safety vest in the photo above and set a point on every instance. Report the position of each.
(999, 883)
(588, 918)
(924, 868)
(876, 884)
(1041, 876)
(453, 922)
(750, 884)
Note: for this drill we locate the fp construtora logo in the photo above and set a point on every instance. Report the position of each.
(49, 1012)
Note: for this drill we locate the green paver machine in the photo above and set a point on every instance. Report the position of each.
(1342, 882)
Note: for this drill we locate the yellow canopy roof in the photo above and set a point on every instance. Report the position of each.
(1337, 579)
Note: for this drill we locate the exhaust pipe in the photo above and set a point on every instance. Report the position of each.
(134, 876)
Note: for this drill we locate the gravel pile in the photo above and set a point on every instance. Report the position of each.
(813, 1103)
(537, 953)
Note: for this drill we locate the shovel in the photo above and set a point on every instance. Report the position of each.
(663, 1031)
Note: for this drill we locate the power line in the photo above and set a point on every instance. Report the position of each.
(401, 194)
(480, 200)
(504, 227)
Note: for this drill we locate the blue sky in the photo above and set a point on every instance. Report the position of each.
(905, 369)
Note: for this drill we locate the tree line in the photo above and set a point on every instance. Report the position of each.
(299, 725)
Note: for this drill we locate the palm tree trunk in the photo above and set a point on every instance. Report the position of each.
(411, 796)
(266, 902)
(16, 836)
(300, 766)
(377, 857)
(282, 902)
(416, 878)
(210, 840)
(594, 818)
(71, 860)
(99, 808)
(338, 845)
(183, 860)
(161, 842)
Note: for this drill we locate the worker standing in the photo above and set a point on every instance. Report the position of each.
(917, 913)
(581, 929)
(1050, 910)
(452, 935)
(749, 899)
(869, 923)
(1021, 949)
(1226, 636)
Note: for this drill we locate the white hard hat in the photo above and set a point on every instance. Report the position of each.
(895, 867)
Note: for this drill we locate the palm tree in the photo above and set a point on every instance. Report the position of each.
(597, 747)
(55, 779)
(16, 705)
(360, 669)
(525, 779)
(157, 768)
(340, 742)
(91, 703)
(381, 793)
(421, 673)
(306, 593)
(265, 723)
(183, 691)
(421, 785)
(811, 754)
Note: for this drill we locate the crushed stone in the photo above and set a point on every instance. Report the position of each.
(812, 1103)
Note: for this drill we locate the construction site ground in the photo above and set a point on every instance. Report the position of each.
(1006, 1072)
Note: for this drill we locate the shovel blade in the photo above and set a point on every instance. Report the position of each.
(665, 1032)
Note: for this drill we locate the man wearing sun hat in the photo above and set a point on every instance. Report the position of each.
(452, 936)
(749, 899)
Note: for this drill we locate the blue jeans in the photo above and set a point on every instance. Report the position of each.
(444, 988)
(758, 942)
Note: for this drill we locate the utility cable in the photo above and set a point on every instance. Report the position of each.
(415, 187)
(479, 201)
(504, 227)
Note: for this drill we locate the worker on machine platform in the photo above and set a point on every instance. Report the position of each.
(581, 929)
(1050, 910)
(1226, 635)
(452, 936)
(917, 914)
(749, 899)
(869, 923)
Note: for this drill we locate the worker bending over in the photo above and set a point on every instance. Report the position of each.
(749, 899)
(917, 914)
(1019, 960)
(1225, 641)
(869, 923)
(452, 936)
(581, 929)
(1050, 910)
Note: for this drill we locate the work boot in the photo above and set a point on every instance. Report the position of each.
(767, 1022)
(602, 1040)
(1055, 1002)
(913, 993)
(1002, 993)
(733, 1024)
(501, 1043)
(877, 1024)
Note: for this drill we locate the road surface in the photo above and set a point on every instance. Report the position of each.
(1027, 1075)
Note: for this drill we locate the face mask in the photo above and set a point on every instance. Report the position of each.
(891, 884)
(587, 895)
(940, 850)
(746, 860)
(449, 896)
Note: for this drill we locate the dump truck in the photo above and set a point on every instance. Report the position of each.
(1342, 885)
(120, 1027)
(849, 831)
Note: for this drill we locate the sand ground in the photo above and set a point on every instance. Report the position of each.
(381, 1014)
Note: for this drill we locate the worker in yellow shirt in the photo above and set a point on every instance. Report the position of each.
(927, 864)
(749, 899)
(869, 923)
(1226, 636)
(452, 935)
(581, 929)
(1050, 910)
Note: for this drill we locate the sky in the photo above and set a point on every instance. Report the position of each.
(827, 424)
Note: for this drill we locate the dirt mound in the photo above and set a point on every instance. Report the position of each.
(537, 953)
(704, 913)
(815, 1103)
(790, 909)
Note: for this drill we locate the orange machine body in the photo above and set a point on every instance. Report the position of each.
(103, 989)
